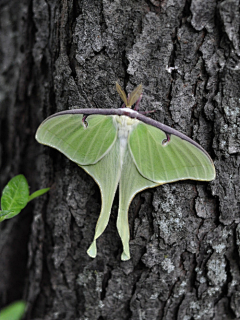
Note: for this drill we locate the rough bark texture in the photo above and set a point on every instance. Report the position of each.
(185, 237)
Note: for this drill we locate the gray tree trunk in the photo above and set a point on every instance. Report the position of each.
(185, 236)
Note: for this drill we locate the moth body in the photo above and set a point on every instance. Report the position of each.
(129, 111)
(124, 126)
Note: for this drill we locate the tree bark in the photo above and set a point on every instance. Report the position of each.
(185, 236)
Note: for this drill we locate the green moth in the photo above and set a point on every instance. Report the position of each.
(122, 147)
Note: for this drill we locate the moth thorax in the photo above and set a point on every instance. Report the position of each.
(124, 125)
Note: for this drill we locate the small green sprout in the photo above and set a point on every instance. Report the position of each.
(14, 311)
(15, 197)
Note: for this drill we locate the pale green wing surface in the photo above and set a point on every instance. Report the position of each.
(81, 144)
(163, 162)
(131, 182)
(106, 173)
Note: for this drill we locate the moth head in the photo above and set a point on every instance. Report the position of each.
(132, 97)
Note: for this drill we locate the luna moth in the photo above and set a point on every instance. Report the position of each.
(124, 148)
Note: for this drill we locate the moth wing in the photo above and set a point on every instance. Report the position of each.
(165, 161)
(82, 143)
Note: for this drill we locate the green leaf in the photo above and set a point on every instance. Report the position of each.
(37, 193)
(15, 197)
(15, 194)
(8, 214)
(14, 311)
